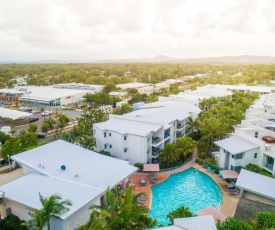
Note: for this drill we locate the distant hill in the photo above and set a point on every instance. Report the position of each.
(225, 59)
(244, 59)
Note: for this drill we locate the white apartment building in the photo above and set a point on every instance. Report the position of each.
(139, 136)
(253, 140)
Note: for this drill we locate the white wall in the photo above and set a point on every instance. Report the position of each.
(80, 217)
(136, 145)
(16, 208)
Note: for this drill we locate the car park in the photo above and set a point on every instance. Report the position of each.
(32, 119)
(46, 113)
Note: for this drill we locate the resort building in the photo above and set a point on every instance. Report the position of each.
(62, 168)
(196, 96)
(253, 140)
(140, 135)
(124, 96)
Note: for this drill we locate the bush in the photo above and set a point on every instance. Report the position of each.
(256, 169)
(139, 165)
(202, 155)
(199, 161)
(212, 161)
(13, 223)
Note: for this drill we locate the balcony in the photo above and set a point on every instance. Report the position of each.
(180, 135)
(268, 166)
(180, 127)
(156, 140)
(166, 135)
(155, 152)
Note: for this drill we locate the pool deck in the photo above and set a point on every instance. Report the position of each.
(228, 206)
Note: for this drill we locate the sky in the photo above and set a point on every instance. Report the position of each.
(87, 30)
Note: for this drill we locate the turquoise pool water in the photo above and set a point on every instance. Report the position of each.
(192, 189)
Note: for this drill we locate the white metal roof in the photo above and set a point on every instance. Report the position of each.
(118, 93)
(196, 223)
(49, 93)
(236, 144)
(256, 183)
(92, 169)
(12, 91)
(13, 114)
(126, 126)
(164, 112)
(26, 189)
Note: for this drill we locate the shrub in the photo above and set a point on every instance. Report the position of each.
(199, 161)
(13, 223)
(212, 161)
(202, 155)
(139, 165)
(256, 169)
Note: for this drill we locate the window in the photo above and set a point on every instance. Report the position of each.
(255, 155)
(110, 146)
(237, 156)
(125, 138)
(95, 142)
(110, 134)
(105, 146)
(105, 134)
(125, 150)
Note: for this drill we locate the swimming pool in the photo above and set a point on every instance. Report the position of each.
(190, 188)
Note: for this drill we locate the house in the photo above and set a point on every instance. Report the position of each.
(236, 152)
(140, 135)
(256, 187)
(59, 167)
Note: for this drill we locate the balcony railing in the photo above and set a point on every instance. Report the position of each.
(156, 140)
(180, 135)
(166, 135)
(268, 166)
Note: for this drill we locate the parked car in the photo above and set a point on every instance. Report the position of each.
(35, 111)
(7, 103)
(32, 119)
(27, 110)
(46, 113)
(41, 135)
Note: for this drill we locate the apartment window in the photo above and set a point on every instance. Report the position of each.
(95, 142)
(125, 138)
(94, 131)
(255, 155)
(105, 134)
(125, 150)
(110, 134)
(105, 146)
(110, 146)
(237, 156)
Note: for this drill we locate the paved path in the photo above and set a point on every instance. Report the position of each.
(10, 176)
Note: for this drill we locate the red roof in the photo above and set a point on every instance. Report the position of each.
(230, 174)
(151, 167)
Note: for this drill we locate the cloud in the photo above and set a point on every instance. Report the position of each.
(104, 29)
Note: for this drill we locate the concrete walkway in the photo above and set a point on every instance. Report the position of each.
(10, 176)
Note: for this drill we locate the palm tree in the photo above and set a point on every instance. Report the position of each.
(52, 206)
(120, 212)
(181, 212)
